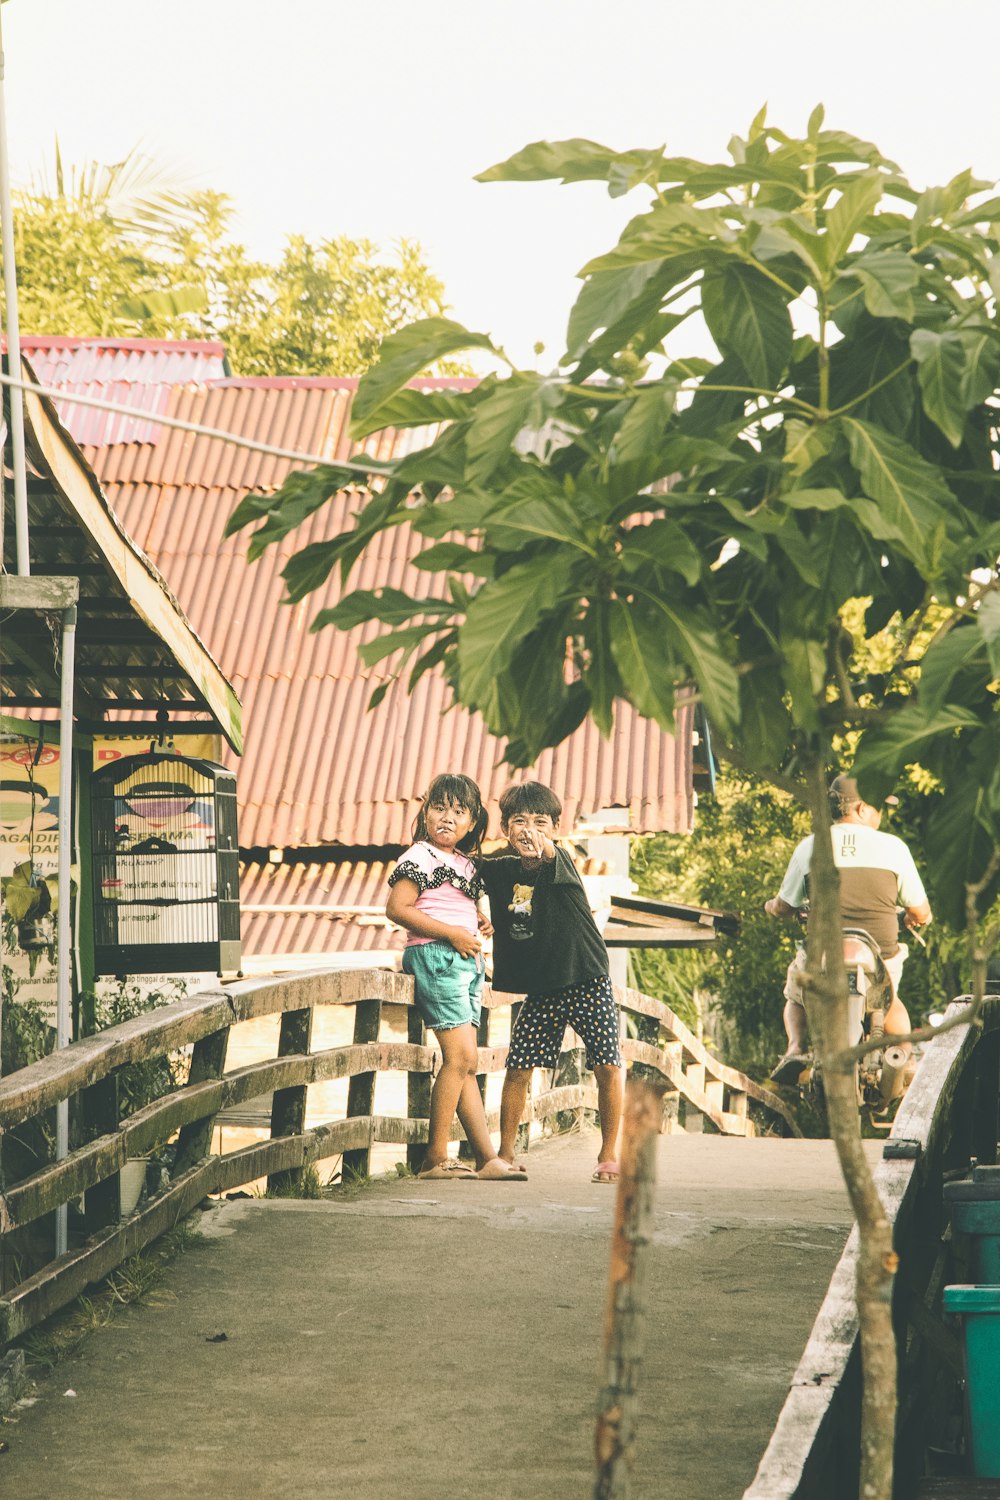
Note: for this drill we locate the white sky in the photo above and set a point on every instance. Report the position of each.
(371, 117)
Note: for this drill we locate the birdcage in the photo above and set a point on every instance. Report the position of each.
(166, 866)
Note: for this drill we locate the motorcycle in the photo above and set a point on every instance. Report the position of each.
(881, 1075)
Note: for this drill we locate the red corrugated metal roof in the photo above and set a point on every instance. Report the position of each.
(318, 768)
(131, 372)
(278, 915)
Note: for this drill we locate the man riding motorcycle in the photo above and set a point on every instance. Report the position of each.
(877, 875)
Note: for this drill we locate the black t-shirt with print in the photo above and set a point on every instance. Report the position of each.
(544, 933)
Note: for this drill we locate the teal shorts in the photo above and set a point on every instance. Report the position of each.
(448, 988)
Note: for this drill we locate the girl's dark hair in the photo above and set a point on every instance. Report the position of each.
(529, 797)
(461, 790)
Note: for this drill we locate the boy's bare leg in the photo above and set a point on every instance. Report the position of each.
(516, 1083)
(459, 1054)
(608, 1077)
(472, 1114)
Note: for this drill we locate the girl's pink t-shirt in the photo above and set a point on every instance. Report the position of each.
(449, 886)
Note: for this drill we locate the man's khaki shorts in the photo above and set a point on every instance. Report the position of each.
(796, 970)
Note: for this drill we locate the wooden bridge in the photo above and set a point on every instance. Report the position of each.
(338, 1319)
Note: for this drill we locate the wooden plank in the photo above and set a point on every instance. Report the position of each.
(36, 592)
(42, 1084)
(252, 998)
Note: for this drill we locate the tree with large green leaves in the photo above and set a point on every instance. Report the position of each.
(121, 251)
(648, 522)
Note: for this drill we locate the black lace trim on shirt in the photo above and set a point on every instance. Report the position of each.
(443, 875)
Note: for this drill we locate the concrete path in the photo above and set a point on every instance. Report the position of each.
(431, 1341)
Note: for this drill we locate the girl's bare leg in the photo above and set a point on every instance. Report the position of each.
(459, 1055)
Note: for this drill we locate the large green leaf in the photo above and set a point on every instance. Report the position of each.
(888, 279)
(960, 838)
(982, 364)
(574, 160)
(748, 317)
(765, 725)
(941, 372)
(387, 605)
(871, 373)
(661, 544)
(695, 641)
(648, 675)
(505, 610)
(848, 215)
(282, 510)
(911, 493)
(405, 640)
(525, 400)
(900, 741)
(545, 516)
(403, 356)
(453, 557)
(947, 656)
(411, 407)
(603, 299)
(669, 229)
(645, 423)
(988, 621)
(600, 673)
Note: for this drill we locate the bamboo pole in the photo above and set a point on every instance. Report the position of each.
(624, 1321)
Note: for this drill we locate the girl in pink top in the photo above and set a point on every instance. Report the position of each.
(434, 895)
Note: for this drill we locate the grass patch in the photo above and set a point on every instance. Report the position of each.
(132, 1282)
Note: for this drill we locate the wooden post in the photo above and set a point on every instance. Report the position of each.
(418, 1087)
(625, 1312)
(99, 1103)
(208, 1060)
(361, 1090)
(288, 1106)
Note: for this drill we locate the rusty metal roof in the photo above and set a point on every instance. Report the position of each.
(318, 768)
(316, 908)
(130, 372)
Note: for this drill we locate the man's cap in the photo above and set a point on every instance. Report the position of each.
(844, 790)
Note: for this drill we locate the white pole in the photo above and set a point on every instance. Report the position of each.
(13, 339)
(64, 954)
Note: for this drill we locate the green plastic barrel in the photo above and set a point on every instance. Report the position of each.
(978, 1308)
(973, 1203)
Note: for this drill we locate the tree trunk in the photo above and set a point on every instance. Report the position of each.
(827, 1011)
(626, 1308)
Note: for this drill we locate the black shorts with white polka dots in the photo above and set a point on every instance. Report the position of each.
(589, 1008)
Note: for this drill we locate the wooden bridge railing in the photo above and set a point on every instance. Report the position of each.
(949, 1114)
(702, 1093)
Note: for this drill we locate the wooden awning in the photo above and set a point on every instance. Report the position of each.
(135, 649)
(636, 922)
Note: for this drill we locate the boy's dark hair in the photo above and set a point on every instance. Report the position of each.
(529, 797)
(461, 790)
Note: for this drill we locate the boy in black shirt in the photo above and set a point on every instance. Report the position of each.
(546, 946)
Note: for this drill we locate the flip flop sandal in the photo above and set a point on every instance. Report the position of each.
(443, 1171)
(495, 1172)
(606, 1171)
